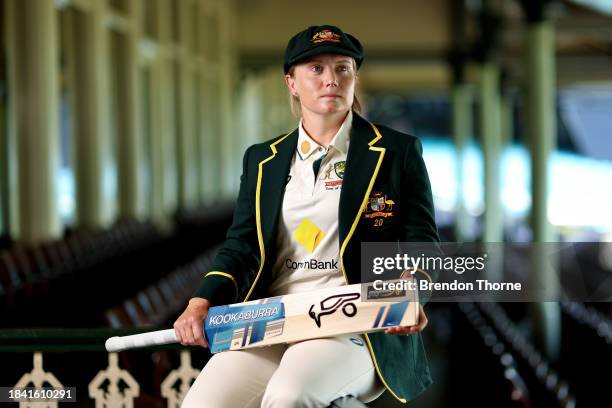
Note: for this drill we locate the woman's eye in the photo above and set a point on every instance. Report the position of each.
(342, 68)
(317, 69)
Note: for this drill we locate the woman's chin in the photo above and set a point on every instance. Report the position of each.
(331, 108)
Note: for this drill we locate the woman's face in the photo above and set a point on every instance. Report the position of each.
(324, 83)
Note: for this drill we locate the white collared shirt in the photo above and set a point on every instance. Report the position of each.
(307, 240)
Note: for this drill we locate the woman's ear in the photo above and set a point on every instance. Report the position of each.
(290, 81)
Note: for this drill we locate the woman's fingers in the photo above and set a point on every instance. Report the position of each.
(184, 333)
(177, 332)
(198, 335)
(405, 330)
(188, 331)
(401, 330)
(188, 327)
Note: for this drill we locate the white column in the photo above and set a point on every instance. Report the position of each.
(211, 138)
(95, 166)
(165, 179)
(186, 132)
(130, 141)
(490, 127)
(230, 140)
(32, 42)
(462, 130)
(541, 90)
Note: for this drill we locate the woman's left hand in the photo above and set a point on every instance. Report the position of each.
(405, 330)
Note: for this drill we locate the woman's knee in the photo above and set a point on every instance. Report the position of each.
(195, 399)
(284, 398)
(191, 400)
(283, 394)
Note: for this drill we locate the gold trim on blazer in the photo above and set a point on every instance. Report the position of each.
(262, 250)
(381, 151)
(226, 275)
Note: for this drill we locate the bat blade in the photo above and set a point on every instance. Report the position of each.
(291, 318)
(302, 316)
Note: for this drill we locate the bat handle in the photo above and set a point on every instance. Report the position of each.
(119, 343)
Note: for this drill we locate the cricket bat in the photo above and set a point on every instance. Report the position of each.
(358, 308)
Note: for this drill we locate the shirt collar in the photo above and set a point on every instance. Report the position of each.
(306, 147)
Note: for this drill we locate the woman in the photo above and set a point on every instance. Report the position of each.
(303, 196)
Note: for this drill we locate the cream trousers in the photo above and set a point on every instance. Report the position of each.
(310, 374)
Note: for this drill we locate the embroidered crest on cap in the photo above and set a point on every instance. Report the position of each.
(325, 35)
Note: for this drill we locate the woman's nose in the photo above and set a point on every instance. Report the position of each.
(331, 79)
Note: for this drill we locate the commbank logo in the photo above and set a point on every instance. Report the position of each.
(308, 235)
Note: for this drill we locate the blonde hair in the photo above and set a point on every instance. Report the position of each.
(294, 100)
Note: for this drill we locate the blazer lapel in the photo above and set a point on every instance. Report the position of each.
(362, 164)
(273, 172)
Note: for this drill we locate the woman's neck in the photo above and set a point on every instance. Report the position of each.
(322, 128)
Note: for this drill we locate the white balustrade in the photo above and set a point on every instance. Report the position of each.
(104, 388)
(113, 397)
(185, 374)
(38, 378)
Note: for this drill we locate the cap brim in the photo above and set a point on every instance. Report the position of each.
(323, 49)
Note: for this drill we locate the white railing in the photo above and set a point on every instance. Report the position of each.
(104, 388)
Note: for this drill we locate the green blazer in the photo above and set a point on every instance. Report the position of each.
(381, 162)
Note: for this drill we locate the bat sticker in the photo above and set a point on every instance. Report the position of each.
(331, 304)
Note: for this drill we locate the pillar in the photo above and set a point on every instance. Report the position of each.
(32, 42)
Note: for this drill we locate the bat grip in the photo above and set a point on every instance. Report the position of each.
(119, 343)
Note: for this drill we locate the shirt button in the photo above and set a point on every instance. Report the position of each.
(320, 149)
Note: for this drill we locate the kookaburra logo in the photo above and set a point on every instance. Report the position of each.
(331, 304)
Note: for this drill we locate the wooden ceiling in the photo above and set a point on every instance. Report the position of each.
(407, 41)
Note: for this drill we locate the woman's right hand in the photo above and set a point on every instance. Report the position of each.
(188, 327)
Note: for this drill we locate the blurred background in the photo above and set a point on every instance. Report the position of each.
(122, 128)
